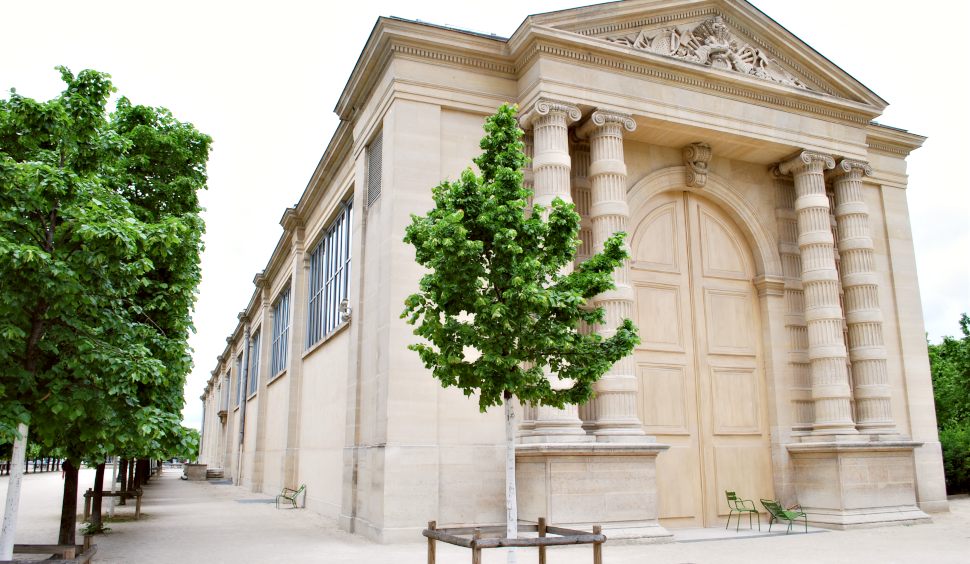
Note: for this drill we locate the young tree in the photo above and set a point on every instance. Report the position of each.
(498, 309)
(99, 241)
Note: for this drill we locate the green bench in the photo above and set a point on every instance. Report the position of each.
(779, 513)
(289, 496)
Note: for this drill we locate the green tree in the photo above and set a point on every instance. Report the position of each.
(950, 367)
(100, 237)
(500, 308)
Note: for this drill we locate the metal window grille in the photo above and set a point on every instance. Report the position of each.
(254, 364)
(329, 277)
(281, 332)
(375, 161)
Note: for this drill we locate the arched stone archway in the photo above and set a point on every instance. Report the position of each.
(695, 256)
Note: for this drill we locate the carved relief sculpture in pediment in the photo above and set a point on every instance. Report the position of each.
(709, 43)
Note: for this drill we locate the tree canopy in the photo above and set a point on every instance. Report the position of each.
(950, 366)
(100, 236)
(500, 306)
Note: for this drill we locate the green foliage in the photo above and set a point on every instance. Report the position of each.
(100, 236)
(950, 367)
(496, 310)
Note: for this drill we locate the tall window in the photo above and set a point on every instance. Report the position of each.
(329, 276)
(240, 387)
(254, 364)
(281, 332)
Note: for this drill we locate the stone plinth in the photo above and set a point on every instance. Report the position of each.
(844, 484)
(583, 484)
(196, 471)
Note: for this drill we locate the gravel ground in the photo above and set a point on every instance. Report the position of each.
(208, 522)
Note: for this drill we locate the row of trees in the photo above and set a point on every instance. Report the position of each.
(100, 238)
(950, 365)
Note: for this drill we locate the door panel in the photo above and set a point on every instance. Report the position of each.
(699, 362)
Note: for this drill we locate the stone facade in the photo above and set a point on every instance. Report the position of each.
(771, 276)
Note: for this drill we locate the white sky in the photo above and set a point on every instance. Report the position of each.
(262, 79)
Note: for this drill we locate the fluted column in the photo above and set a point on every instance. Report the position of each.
(867, 350)
(823, 312)
(615, 406)
(550, 122)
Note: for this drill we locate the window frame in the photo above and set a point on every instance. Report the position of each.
(328, 281)
(279, 357)
(255, 342)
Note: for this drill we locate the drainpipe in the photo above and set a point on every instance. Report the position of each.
(243, 391)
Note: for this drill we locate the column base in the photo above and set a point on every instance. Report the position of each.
(585, 484)
(845, 483)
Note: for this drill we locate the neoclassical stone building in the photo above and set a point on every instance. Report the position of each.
(772, 278)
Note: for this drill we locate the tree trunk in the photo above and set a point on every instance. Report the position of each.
(123, 477)
(10, 509)
(139, 472)
(511, 505)
(67, 533)
(132, 478)
(114, 477)
(96, 522)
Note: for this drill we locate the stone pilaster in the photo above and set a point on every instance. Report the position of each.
(831, 393)
(291, 459)
(527, 424)
(264, 314)
(551, 162)
(800, 382)
(616, 393)
(583, 198)
(867, 351)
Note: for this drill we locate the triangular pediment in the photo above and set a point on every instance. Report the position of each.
(729, 36)
(712, 43)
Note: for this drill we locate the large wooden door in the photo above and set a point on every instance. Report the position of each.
(702, 387)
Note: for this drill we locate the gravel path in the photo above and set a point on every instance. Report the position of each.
(209, 522)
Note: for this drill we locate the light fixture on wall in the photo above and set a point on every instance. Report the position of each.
(344, 310)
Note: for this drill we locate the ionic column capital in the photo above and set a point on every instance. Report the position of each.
(850, 169)
(545, 107)
(806, 162)
(601, 118)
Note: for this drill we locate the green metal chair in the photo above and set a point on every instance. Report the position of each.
(779, 513)
(736, 504)
(289, 496)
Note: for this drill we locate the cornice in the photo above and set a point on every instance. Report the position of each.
(394, 36)
(892, 141)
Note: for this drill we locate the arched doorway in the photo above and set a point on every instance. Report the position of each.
(700, 370)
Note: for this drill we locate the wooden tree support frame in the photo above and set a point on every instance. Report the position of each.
(60, 553)
(478, 538)
(123, 495)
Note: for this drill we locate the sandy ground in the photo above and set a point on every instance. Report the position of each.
(207, 522)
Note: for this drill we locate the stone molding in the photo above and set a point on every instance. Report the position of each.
(589, 449)
(697, 157)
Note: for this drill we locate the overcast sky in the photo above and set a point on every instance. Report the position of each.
(262, 79)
